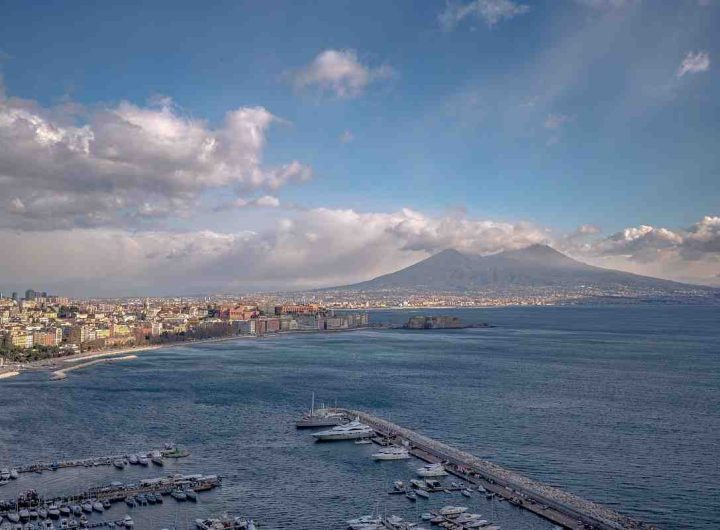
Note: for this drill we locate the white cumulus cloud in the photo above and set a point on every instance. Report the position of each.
(341, 73)
(126, 162)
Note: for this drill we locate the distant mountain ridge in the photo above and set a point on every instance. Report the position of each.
(533, 266)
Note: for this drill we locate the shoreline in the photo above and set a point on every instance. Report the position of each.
(100, 356)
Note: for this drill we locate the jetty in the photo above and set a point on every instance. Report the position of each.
(170, 451)
(62, 373)
(558, 506)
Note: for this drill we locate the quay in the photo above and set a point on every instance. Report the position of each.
(558, 506)
(169, 452)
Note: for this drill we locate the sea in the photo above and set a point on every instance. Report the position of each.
(619, 405)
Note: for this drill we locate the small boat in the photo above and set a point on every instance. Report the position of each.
(4, 474)
(87, 507)
(426, 516)
(24, 514)
(33, 513)
(158, 497)
(150, 498)
(130, 501)
(73, 523)
(14, 474)
(76, 509)
(466, 493)
(106, 504)
(391, 453)
(157, 460)
(411, 495)
(64, 511)
(143, 461)
(133, 459)
(422, 493)
(399, 485)
(363, 441)
(53, 511)
(432, 470)
(481, 489)
(179, 495)
(4, 481)
(128, 522)
(98, 506)
(42, 513)
(119, 464)
(13, 517)
(141, 499)
(64, 525)
(191, 495)
(433, 484)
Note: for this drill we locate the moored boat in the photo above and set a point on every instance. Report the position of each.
(349, 431)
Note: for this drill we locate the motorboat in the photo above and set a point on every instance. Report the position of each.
(24, 514)
(76, 509)
(392, 452)
(432, 470)
(64, 511)
(33, 513)
(133, 459)
(87, 507)
(4, 474)
(466, 493)
(128, 522)
(13, 517)
(53, 511)
(452, 510)
(191, 495)
(411, 495)
(349, 431)
(363, 441)
(106, 504)
(364, 522)
(433, 484)
(399, 485)
(130, 501)
(98, 506)
(422, 493)
(179, 495)
(14, 475)
(143, 461)
(42, 513)
(119, 464)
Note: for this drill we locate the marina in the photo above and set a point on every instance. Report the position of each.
(562, 508)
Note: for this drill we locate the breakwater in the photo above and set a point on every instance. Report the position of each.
(556, 505)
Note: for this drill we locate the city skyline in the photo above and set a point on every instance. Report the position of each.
(240, 147)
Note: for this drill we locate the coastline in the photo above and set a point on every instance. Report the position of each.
(99, 356)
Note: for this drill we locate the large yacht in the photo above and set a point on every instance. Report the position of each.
(392, 452)
(432, 470)
(321, 417)
(349, 431)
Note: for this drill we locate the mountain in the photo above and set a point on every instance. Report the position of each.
(533, 266)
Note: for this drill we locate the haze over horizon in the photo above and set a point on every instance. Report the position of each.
(174, 148)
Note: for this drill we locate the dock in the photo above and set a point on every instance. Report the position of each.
(558, 506)
(169, 452)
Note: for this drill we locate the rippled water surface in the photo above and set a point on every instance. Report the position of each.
(617, 404)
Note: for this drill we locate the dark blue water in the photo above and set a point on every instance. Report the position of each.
(617, 404)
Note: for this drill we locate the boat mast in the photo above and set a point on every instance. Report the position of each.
(312, 405)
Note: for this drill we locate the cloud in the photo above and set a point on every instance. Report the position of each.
(489, 11)
(694, 63)
(689, 254)
(555, 121)
(346, 137)
(608, 4)
(316, 247)
(324, 247)
(75, 166)
(266, 201)
(341, 73)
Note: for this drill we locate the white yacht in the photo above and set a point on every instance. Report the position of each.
(366, 521)
(392, 452)
(452, 510)
(432, 470)
(349, 431)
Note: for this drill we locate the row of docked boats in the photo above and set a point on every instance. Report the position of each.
(155, 457)
(66, 524)
(376, 522)
(6, 475)
(225, 522)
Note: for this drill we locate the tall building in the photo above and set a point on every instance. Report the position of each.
(30, 294)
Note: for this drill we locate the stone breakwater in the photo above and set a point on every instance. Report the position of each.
(555, 504)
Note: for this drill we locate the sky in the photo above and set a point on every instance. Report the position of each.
(191, 147)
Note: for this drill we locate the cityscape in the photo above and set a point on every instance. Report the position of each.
(341, 265)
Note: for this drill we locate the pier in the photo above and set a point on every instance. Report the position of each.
(169, 452)
(62, 373)
(560, 507)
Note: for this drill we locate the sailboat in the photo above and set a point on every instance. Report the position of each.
(319, 418)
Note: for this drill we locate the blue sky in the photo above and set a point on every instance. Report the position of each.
(557, 114)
